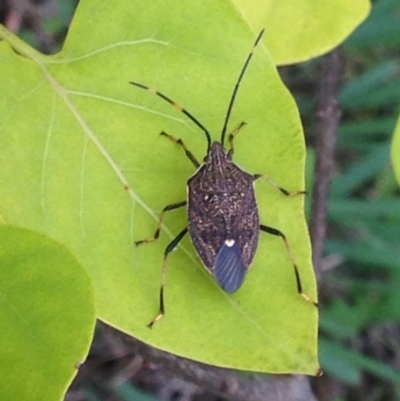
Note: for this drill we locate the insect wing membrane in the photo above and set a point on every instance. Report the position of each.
(229, 269)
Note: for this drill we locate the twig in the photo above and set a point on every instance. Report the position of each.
(223, 382)
(328, 112)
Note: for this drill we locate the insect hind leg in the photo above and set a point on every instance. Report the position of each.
(172, 245)
(179, 141)
(274, 231)
(167, 208)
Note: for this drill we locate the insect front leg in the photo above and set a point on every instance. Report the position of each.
(167, 208)
(232, 136)
(277, 186)
(274, 231)
(168, 250)
(179, 141)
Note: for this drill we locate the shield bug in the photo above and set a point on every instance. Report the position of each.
(223, 218)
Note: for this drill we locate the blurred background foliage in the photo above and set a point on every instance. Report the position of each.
(360, 287)
(359, 290)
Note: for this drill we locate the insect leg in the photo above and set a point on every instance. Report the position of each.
(188, 153)
(274, 231)
(231, 136)
(168, 250)
(167, 208)
(277, 186)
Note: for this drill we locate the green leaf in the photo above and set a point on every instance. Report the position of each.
(381, 29)
(127, 393)
(361, 171)
(346, 364)
(82, 161)
(341, 210)
(335, 362)
(374, 86)
(47, 316)
(368, 252)
(357, 133)
(395, 151)
(299, 30)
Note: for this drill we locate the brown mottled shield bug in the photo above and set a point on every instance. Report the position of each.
(223, 219)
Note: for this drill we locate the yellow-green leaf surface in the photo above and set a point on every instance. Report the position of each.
(299, 30)
(47, 316)
(82, 161)
(396, 151)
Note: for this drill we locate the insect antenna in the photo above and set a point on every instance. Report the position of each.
(235, 90)
(178, 107)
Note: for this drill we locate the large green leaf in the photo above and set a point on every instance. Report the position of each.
(299, 30)
(396, 151)
(47, 316)
(82, 161)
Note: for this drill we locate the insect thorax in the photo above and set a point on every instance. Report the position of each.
(221, 194)
(220, 176)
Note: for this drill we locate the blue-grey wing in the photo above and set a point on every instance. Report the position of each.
(229, 269)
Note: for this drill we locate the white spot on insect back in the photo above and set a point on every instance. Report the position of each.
(229, 242)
